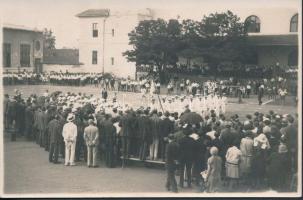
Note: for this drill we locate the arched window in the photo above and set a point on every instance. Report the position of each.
(294, 23)
(252, 24)
(293, 58)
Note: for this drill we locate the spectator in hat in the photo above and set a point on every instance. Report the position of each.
(258, 163)
(91, 137)
(291, 140)
(172, 156)
(54, 130)
(69, 134)
(187, 152)
(166, 128)
(109, 138)
(246, 148)
(233, 156)
(279, 167)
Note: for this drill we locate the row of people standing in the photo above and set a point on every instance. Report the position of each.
(259, 154)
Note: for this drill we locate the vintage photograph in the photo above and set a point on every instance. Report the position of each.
(129, 98)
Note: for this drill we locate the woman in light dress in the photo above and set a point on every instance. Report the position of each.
(213, 175)
(233, 156)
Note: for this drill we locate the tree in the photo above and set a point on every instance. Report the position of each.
(218, 38)
(49, 39)
(155, 43)
(223, 39)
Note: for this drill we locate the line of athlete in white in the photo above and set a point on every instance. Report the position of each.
(198, 103)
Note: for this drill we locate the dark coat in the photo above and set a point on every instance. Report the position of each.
(12, 110)
(108, 133)
(40, 120)
(279, 166)
(54, 131)
(144, 128)
(172, 154)
(291, 137)
(104, 94)
(228, 136)
(155, 125)
(187, 148)
(29, 117)
(166, 127)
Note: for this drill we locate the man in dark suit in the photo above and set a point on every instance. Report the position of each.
(172, 153)
(54, 130)
(109, 139)
(104, 94)
(29, 120)
(291, 140)
(187, 153)
(166, 128)
(144, 128)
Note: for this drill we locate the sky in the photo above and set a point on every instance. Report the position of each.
(59, 15)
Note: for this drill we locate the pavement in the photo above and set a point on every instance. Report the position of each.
(27, 170)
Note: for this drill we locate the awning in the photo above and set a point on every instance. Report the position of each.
(273, 40)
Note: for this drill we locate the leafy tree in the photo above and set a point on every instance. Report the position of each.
(218, 38)
(223, 39)
(154, 44)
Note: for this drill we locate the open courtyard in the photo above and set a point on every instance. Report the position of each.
(27, 170)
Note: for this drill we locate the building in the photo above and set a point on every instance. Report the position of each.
(275, 37)
(56, 60)
(104, 35)
(22, 48)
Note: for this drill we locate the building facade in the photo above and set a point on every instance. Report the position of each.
(22, 49)
(104, 36)
(62, 60)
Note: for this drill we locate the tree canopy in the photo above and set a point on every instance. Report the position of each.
(217, 38)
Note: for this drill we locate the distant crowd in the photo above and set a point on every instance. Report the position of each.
(228, 87)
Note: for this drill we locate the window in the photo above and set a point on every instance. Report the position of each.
(37, 46)
(113, 32)
(293, 58)
(95, 57)
(6, 55)
(252, 24)
(25, 59)
(95, 29)
(113, 60)
(294, 23)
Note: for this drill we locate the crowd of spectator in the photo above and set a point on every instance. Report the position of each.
(259, 152)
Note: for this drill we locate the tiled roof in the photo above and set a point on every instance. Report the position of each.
(19, 27)
(61, 57)
(94, 13)
(273, 40)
